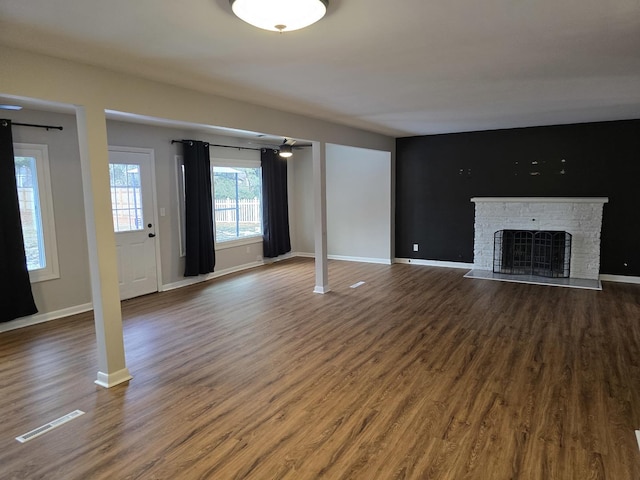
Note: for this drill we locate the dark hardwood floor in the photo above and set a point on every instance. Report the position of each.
(417, 374)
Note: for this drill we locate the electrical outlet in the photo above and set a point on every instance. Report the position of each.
(415, 247)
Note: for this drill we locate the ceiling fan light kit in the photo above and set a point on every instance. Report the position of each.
(280, 15)
(285, 151)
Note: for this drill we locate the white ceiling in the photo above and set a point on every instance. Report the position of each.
(409, 67)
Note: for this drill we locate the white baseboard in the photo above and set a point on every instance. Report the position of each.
(44, 317)
(108, 380)
(434, 263)
(203, 278)
(620, 278)
(267, 261)
(85, 307)
(321, 289)
(303, 254)
(345, 258)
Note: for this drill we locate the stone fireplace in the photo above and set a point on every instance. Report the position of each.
(581, 218)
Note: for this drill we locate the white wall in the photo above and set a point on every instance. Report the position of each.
(358, 203)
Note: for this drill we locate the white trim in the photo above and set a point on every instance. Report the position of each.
(179, 161)
(541, 199)
(638, 437)
(434, 263)
(230, 162)
(44, 317)
(346, 258)
(40, 152)
(620, 278)
(303, 254)
(238, 242)
(210, 276)
(108, 380)
(321, 289)
(150, 152)
(156, 219)
(285, 256)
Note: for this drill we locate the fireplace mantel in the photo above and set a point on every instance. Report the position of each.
(579, 216)
(541, 199)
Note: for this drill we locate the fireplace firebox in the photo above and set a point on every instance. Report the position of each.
(544, 253)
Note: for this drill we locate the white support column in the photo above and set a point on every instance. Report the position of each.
(320, 216)
(103, 260)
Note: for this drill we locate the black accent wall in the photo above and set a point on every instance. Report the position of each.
(436, 176)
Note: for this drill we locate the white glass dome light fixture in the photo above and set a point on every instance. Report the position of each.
(280, 15)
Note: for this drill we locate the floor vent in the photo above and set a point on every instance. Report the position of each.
(356, 285)
(49, 426)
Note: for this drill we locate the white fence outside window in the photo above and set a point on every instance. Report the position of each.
(248, 210)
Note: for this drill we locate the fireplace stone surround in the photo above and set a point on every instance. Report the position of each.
(581, 217)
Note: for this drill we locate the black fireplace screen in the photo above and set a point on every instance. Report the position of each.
(543, 253)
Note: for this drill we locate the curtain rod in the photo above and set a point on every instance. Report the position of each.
(218, 145)
(48, 127)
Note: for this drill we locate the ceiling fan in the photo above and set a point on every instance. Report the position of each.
(285, 149)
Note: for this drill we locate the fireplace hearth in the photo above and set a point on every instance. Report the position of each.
(543, 253)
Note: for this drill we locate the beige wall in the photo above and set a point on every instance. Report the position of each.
(55, 80)
(52, 82)
(301, 221)
(73, 287)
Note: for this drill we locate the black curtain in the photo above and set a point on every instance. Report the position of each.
(200, 252)
(275, 204)
(15, 287)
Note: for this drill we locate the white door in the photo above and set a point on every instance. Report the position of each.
(133, 208)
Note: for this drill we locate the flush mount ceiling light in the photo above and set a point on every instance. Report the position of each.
(280, 15)
(285, 150)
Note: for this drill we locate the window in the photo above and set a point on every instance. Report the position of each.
(36, 210)
(126, 197)
(237, 192)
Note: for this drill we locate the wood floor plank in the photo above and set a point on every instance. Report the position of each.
(418, 373)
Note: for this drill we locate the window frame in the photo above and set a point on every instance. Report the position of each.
(179, 160)
(40, 153)
(238, 163)
(219, 162)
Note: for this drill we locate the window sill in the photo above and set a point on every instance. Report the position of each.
(36, 276)
(238, 243)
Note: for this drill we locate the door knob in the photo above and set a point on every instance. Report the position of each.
(151, 235)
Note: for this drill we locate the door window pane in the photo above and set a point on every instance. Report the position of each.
(126, 197)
